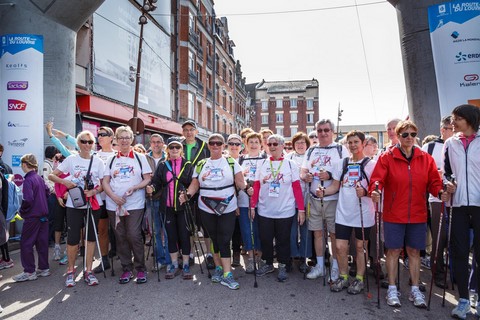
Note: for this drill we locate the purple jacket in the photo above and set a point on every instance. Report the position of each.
(35, 194)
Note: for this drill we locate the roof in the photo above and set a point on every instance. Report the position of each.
(287, 86)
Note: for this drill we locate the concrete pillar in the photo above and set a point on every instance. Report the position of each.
(58, 21)
(421, 84)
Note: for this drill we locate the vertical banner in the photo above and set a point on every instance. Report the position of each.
(455, 37)
(21, 99)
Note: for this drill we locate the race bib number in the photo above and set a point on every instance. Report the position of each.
(353, 174)
(274, 190)
(216, 174)
(251, 173)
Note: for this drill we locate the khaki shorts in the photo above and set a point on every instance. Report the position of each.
(315, 219)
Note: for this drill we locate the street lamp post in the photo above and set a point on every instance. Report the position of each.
(340, 112)
(148, 6)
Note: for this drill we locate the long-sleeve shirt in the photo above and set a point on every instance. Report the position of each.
(35, 194)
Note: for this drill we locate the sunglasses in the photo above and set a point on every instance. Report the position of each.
(124, 138)
(86, 141)
(405, 134)
(289, 148)
(215, 143)
(323, 130)
(103, 134)
(275, 144)
(236, 144)
(313, 137)
(176, 146)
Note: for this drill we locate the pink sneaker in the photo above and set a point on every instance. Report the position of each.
(6, 264)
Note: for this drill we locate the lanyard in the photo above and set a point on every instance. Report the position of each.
(275, 174)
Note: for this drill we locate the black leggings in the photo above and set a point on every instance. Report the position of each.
(220, 229)
(177, 232)
(5, 252)
(75, 222)
(270, 228)
(463, 219)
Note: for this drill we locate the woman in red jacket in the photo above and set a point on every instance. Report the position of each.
(405, 175)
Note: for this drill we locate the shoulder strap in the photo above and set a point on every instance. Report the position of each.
(431, 146)
(231, 162)
(199, 152)
(139, 162)
(339, 149)
(344, 168)
(363, 163)
(111, 162)
(200, 165)
(362, 168)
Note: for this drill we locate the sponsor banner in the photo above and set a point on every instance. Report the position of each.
(455, 37)
(21, 98)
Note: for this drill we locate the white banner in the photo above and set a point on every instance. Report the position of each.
(455, 36)
(21, 99)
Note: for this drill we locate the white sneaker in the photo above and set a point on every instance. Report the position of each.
(334, 274)
(315, 272)
(462, 309)
(25, 276)
(392, 298)
(43, 273)
(417, 298)
(56, 253)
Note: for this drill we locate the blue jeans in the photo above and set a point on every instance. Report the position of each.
(161, 246)
(298, 249)
(244, 220)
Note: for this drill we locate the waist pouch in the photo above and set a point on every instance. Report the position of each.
(78, 197)
(217, 205)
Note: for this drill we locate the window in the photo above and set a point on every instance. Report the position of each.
(293, 117)
(264, 105)
(293, 103)
(279, 103)
(191, 62)
(280, 131)
(293, 131)
(224, 71)
(191, 106)
(309, 117)
(191, 22)
(310, 104)
(279, 117)
(264, 118)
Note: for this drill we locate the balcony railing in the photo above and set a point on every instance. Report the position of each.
(210, 62)
(200, 88)
(192, 77)
(209, 95)
(193, 38)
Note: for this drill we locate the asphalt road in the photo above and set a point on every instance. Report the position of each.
(48, 298)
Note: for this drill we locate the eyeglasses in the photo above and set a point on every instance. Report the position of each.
(215, 143)
(275, 144)
(288, 148)
(124, 138)
(447, 128)
(405, 134)
(313, 137)
(326, 130)
(236, 144)
(176, 146)
(189, 130)
(86, 141)
(103, 134)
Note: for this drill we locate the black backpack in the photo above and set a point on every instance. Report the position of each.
(363, 163)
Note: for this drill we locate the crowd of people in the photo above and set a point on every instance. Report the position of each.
(310, 201)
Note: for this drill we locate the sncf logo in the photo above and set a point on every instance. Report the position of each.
(471, 77)
(16, 105)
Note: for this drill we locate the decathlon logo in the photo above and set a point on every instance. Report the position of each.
(16, 105)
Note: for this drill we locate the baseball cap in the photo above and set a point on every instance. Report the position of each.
(172, 140)
(190, 122)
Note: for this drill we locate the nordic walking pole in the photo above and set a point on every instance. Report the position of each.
(153, 236)
(452, 180)
(89, 212)
(191, 227)
(435, 256)
(325, 236)
(377, 218)
(255, 284)
(85, 242)
(369, 295)
(307, 215)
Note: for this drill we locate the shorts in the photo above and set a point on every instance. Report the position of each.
(75, 222)
(413, 235)
(315, 219)
(59, 220)
(343, 232)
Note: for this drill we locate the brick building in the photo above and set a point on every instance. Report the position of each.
(285, 107)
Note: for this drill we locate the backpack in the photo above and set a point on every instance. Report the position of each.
(431, 145)
(363, 163)
(338, 147)
(136, 156)
(10, 198)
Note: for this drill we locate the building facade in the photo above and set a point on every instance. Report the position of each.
(285, 107)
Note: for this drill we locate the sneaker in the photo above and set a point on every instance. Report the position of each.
(210, 263)
(230, 282)
(90, 278)
(339, 284)
(141, 277)
(282, 273)
(186, 274)
(236, 259)
(334, 274)
(63, 261)
(125, 277)
(25, 276)
(43, 273)
(6, 264)
(355, 287)
(70, 280)
(417, 298)
(264, 269)
(217, 275)
(425, 262)
(392, 298)
(172, 272)
(250, 269)
(474, 302)
(106, 265)
(56, 253)
(315, 272)
(439, 280)
(405, 262)
(462, 309)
